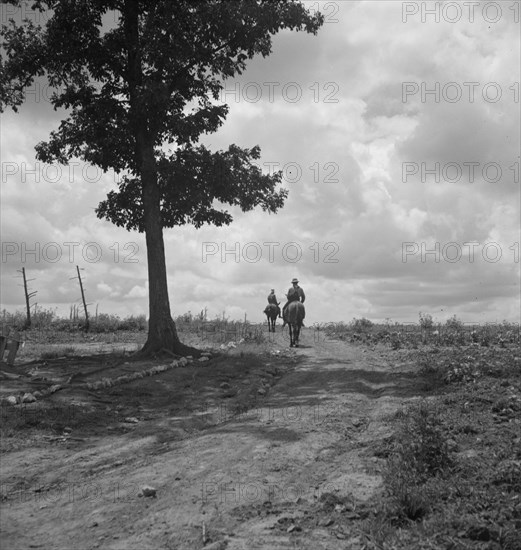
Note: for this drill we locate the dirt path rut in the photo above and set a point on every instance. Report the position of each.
(262, 479)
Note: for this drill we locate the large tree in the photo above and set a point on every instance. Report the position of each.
(133, 76)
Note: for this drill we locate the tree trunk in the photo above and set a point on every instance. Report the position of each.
(162, 333)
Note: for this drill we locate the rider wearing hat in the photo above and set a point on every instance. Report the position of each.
(272, 299)
(295, 294)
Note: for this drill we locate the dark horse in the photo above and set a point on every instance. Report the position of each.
(293, 316)
(272, 312)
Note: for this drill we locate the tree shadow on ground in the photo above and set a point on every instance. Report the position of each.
(228, 393)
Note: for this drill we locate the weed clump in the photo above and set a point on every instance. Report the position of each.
(419, 455)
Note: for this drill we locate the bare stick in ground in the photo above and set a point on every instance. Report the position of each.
(28, 296)
(83, 299)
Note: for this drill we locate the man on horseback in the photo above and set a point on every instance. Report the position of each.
(295, 294)
(272, 299)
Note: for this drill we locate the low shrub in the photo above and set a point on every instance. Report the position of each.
(420, 452)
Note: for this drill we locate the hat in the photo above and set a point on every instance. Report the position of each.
(295, 280)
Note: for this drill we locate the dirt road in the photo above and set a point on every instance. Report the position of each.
(298, 470)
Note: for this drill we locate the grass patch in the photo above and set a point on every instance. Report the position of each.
(452, 477)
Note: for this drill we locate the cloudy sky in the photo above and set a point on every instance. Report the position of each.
(398, 130)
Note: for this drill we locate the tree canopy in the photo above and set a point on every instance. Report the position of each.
(137, 77)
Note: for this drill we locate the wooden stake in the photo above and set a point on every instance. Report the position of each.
(28, 296)
(83, 299)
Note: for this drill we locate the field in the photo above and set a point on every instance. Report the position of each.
(365, 437)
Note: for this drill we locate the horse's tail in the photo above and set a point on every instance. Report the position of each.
(271, 310)
(301, 313)
(296, 313)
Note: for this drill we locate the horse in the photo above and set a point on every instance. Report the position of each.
(293, 316)
(272, 312)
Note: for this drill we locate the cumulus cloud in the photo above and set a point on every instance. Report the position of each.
(396, 133)
(137, 292)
